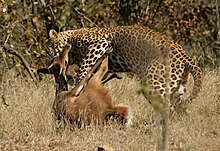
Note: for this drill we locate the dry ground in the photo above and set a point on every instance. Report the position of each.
(26, 121)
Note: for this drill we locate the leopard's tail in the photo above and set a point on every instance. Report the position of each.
(196, 72)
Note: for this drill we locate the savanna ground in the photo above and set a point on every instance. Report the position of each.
(26, 121)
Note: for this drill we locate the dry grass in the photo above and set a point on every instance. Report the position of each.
(26, 121)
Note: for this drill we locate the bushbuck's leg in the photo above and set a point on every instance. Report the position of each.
(110, 76)
(124, 114)
(120, 113)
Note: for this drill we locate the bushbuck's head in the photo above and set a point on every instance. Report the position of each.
(60, 62)
(58, 65)
(58, 68)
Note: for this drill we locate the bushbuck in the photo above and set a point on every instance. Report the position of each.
(89, 101)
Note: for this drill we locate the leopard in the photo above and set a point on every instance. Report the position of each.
(160, 64)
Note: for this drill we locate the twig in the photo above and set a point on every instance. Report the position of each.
(155, 12)
(25, 29)
(3, 53)
(54, 17)
(218, 19)
(148, 6)
(51, 10)
(17, 54)
(82, 15)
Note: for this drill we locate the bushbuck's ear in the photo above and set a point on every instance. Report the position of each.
(43, 70)
(63, 60)
(52, 34)
(66, 50)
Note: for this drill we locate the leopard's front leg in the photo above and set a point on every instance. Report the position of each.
(96, 50)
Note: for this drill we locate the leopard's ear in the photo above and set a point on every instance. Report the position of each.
(52, 34)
